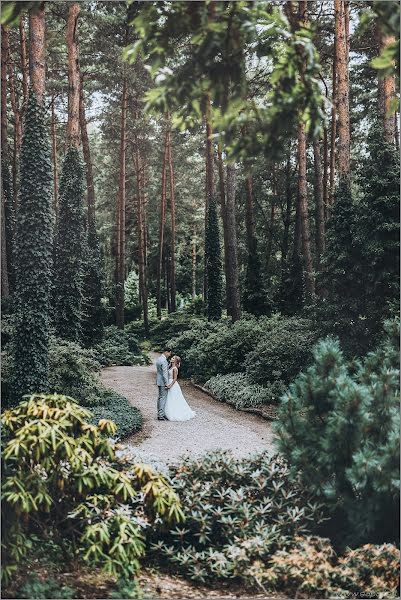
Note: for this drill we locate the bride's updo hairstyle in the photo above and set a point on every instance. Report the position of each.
(177, 361)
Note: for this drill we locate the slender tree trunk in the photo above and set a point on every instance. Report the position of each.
(209, 178)
(37, 50)
(249, 211)
(5, 290)
(73, 133)
(172, 208)
(24, 62)
(286, 215)
(161, 228)
(232, 258)
(17, 133)
(303, 211)
(319, 204)
(325, 173)
(223, 207)
(55, 163)
(396, 133)
(269, 244)
(87, 156)
(141, 250)
(194, 261)
(121, 212)
(333, 128)
(341, 9)
(386, 92)
(168, 289)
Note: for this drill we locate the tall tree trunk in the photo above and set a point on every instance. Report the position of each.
(194, 261)
(209, 176)
(232, 258)
(286, 216)
(333, 127)
(303, 211)
(87, 156)
(5, 290)
(121, 212)
(319, 203)
(73, 133)
(55, 163)
(269, 244)
(167, 279)
(172, 209)
(341, 9)
(223, 207)
(325, 172)
(161, 228)
(386, 92)
(141, 249)
(37, 50)
(17, 133)
(24, 62)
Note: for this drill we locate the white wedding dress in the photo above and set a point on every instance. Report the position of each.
(177, 408)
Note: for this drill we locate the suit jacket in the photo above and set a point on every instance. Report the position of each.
(162, 371)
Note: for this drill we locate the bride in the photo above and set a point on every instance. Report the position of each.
(176, 408)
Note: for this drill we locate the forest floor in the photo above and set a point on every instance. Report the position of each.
(216, 425)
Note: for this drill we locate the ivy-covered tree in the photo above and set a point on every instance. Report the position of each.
(377, 228)
(68, 279)
(9, 218)
(92, 309)
(33, 256)
(213, 263)
(339, 429)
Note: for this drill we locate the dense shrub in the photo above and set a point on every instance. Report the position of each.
(236, 389)
(119, 347)
(59, 472)
(283, 350)
(183, 344)
(339, 429)
(117, 408)
(237, 512)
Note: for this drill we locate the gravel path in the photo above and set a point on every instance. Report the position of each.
(216, 425)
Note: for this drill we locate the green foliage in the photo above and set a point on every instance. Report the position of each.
(116, 408)
(33, 257)
(237, 513)
(213, 264)
(332, 403)
(119, 347)
(237, 390)
(92, 308)
(377, 230)
(131, 590)
(9, 218)
(68, 264)
(48, 588)
(290, 296)
(283, 351)
(255, 298)
(59, 472)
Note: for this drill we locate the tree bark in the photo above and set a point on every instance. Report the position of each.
(223, 207)
(161, 228)
(194, 260)
(17, 133)
(73, 133)
(172, 209)
(386, 92)
(232, 258)
(341, 9)
(286, 216)
(141, 250)
(24, 62)
(303, 211)
(37, 51)
(5, 290)
(325, 173)
(87, 155)
(54, 158)
(121, 198)
(209, 173)
(319, 203)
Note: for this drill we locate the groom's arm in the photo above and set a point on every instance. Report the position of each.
(165, 372)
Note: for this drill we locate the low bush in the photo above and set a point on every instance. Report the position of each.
(339, 428)
(283, 350)
(35, 588)
(236, 389)
(116, 408)
(183, 344)
(119, 347)
(237, 513)
(61, 481)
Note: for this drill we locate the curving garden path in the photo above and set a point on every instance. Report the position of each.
(216, 425)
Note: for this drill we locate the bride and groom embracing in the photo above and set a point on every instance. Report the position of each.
(171, 404)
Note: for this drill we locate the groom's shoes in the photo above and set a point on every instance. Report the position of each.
(162, 419)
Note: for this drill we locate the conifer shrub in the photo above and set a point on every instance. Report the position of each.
(70, 242)
(119, 347)
(61, 481)
(93, 313)
(339, 428)
(33, 257)
(238, 512)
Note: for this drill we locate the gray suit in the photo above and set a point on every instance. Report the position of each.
(161, 381)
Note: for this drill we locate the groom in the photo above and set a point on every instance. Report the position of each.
(162, 383)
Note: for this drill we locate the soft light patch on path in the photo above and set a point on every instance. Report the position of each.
(216, 425)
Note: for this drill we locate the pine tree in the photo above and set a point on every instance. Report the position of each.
(33, 256)
(213, 263)
(338, 428)
(377, 224)
(68, 280)
(92, 309)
